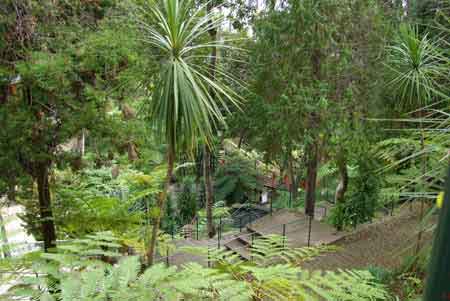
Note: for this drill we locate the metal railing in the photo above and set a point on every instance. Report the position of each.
(282, 229)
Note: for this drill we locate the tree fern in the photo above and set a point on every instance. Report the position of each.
(342, 285)
(273, 274)
(274, 248)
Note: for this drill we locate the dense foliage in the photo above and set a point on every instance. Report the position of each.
(128, 127)
(80, 277)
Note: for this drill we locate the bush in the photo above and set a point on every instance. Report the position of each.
(187, 202)
(360, 205)
(236, 179)
(381, 274)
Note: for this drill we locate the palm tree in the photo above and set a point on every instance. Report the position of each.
(187, 104)
(417, 66)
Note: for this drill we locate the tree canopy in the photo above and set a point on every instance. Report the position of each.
(140, 132)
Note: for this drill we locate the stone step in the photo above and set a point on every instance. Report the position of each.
(246, 239)
(239, 248)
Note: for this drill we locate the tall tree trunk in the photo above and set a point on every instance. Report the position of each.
(294, 182)
(241, 138)
(11, 194)
(207, 173)
(423, 187)
(45, 209)
(132, 151)
(312, 149)
(343, 182)
(341, 189)
(311, 178)
(209, 192)
(81, 143)
(4, 238)
(198, 176)
(129, 114)
(161, 205)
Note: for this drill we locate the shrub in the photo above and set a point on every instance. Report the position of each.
(361, 203)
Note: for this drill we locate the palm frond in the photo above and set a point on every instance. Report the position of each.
(416, 65)
(188, 102)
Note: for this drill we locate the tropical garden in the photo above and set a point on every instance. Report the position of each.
(224, 149)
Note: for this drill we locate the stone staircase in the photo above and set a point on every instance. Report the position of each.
(293, 225)
(241, 243)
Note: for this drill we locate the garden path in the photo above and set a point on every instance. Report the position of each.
(292, 223)
(384, 243)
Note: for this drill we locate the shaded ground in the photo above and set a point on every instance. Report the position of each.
(383, 243)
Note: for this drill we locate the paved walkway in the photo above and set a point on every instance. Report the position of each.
(384, 243)
(181, 257)
(296, 229)
(295, 225)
